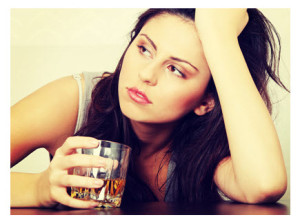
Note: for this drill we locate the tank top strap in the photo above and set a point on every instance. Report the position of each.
(77, 77)
(90, 80)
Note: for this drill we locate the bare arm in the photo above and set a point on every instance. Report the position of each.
(44, 119)
(255, 172)
(47, 118)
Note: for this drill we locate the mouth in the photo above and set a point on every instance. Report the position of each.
(138, 96)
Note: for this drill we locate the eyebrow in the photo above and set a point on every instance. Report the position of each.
(181, 60)
(151, 42)
(173, 58)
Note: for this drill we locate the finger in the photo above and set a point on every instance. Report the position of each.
(77, 203)
(65, 199)
(80, 181)
(116, 164)
(111, 164)
(81, 160)
(75, 142)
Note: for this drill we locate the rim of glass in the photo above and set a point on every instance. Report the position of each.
(116, 143)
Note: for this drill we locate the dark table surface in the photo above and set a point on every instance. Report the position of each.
(162, 208)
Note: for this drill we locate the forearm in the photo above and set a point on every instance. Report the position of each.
(23, 190)
(27, 190)
(254, 146)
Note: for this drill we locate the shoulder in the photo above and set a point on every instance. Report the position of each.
(45, 118)
(91, 79)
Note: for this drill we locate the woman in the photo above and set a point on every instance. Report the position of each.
(188, 95)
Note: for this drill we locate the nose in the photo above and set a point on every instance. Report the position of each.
(149, 74)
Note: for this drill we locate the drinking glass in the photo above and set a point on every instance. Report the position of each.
(113, 174)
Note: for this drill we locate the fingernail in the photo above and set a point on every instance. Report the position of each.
(94, 204)
(95, 142)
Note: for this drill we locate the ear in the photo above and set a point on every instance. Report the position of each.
(207, 104)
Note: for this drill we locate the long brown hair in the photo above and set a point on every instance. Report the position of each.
(200, 142)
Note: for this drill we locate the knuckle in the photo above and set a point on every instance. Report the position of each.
(51, 167)
(52, 178)
(73, 159)
(68, 180)
(52, 193)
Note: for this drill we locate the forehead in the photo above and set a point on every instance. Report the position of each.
(174, 35)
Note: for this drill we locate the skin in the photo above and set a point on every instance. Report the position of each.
(168, 83)
(255, 171)
(149, 66)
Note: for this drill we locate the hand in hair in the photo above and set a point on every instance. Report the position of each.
(255, 171)
(223, 22)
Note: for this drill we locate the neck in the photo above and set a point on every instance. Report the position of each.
(154, 137)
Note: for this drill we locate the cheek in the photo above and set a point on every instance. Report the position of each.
(181, 103)
(131, 58)
(192, 94)
(125, 72)
(130, 67)
(188, 101)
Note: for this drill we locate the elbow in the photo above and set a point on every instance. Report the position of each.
(268, 193)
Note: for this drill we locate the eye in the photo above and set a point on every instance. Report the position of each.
(175, 71)
(144, 51)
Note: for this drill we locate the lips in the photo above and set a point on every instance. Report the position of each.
(138, 96)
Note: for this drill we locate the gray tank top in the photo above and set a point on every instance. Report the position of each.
(90, 80)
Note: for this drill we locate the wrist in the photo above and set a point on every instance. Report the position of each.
(219, 39)
(43, 190)
(25, 190)
(220, 48)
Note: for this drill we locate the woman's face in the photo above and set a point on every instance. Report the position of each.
(164, 73)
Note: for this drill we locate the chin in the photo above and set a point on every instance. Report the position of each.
(147, 118)
(138, 118)
(145, 114)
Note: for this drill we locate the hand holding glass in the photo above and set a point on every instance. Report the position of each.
(113, 173)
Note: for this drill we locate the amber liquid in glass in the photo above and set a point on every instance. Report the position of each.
(109, 195)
